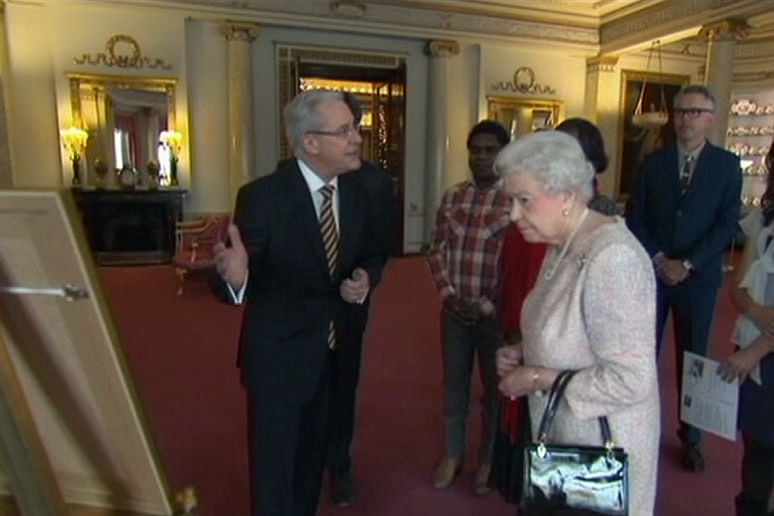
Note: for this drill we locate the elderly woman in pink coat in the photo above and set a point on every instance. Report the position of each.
(592, 310)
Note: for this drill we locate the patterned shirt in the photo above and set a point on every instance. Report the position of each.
(465, 256)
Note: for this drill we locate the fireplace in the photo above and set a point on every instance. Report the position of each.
(130, 226)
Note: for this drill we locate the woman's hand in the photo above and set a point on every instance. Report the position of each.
(741, 362)
(517, 382)
(508, 358)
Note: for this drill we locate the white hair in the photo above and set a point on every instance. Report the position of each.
(302, 115)
(554, 158)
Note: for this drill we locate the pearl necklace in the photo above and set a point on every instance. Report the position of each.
(553, 263)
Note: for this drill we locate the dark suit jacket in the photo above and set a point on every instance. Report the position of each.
(382, 218)
(696, 226)
(382, 205)
(290, 295)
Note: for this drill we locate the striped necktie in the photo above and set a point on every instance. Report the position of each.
(686, 172)
(330, 236)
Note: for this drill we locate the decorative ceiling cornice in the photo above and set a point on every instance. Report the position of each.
(674, 17)
(455, 23)
(623, 30)
(658, 15)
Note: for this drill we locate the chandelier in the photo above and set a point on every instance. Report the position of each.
(654, 117)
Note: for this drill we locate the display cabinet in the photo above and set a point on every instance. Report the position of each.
(749, 135)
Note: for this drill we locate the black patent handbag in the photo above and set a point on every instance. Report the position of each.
(567, 479)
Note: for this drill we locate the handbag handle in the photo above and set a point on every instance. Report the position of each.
(554, 397)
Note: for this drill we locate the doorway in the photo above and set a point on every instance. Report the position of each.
(379, 83)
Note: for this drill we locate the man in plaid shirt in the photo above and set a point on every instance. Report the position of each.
(465, 263)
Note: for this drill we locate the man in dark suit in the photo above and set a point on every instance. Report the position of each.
(382, 215)
(347, 357)
(301, 254)
(685, 211)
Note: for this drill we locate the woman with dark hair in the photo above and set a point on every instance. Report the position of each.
(593, 145)
(752, 363)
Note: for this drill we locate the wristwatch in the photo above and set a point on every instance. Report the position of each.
(688, 265)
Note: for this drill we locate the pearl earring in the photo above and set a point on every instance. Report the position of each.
(565, 212)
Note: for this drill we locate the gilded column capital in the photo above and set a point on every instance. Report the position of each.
(725, 30)
(442, 48)
(604, 63)
(240, 31)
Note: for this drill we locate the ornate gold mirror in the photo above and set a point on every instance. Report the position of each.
(124, 116)
(525, 115)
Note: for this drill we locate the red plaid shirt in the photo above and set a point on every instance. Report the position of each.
(465, 256)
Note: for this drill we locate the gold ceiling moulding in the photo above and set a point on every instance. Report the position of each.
(122, 51)
(348, 9)
(524, 82)
(726, 29)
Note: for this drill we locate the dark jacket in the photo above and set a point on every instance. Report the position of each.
(697, 225)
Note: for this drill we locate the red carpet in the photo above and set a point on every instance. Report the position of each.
(181, 351)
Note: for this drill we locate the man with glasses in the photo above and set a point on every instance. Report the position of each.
(685, 210)
(383, 213)
(301, 254)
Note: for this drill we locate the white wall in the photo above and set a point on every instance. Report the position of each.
(563, 71)
(42, 42)
(43, 39)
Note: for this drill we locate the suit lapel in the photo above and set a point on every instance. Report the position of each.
(303, 209)
(671, 167)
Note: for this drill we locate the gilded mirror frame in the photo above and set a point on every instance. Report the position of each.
(506, 110)
(101, 82)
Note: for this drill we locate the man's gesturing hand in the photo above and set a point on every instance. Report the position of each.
(231, 262)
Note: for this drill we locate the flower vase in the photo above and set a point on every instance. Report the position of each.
(173, 171)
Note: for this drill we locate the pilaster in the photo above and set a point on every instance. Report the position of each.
(721, 46)
(437, 141)
(601, 107)
(240, 103)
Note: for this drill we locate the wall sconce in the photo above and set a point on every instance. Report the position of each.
(74, 141)
(173, 141)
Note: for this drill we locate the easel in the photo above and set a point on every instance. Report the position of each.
(72, 430)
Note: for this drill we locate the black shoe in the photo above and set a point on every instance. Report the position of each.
(691, 458)
(342, 489)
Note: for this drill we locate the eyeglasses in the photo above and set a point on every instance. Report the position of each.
(344, 131)
(691, 112)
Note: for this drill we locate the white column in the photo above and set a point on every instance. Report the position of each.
(241, 135)
(601, 107)
(719, 66)
(437, 128)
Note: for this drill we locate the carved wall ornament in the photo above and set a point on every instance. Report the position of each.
(348, 9)
(122, 51)
(237, 31)
(524, 82)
